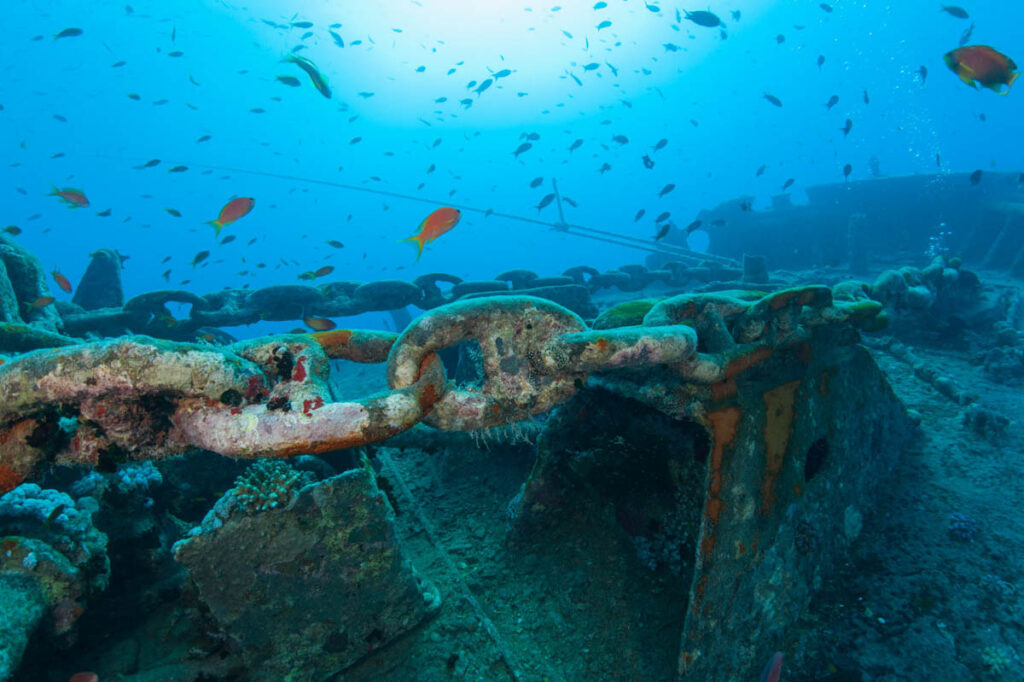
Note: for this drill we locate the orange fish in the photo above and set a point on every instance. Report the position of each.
(232, 211)
(62, 282)
(324, 271)
(981, 65)
(319, 324)
(433, 226)
(41, 302)
(75, 198)
(84, 677)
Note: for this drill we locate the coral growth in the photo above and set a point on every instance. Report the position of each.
(267, 484)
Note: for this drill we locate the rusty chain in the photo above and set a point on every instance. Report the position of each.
(143, 398)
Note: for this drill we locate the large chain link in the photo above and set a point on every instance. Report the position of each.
(142, 398)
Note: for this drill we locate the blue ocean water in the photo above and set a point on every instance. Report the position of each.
(147, 80)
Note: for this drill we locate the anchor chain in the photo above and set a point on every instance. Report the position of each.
(145, 398)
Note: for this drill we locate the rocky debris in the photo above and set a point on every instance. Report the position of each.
(22, 282)
(100, 286)
(311, 587)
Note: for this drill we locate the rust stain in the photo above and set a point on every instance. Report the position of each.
(746, 361)
(724, 424)
(782, 299)
(9, 479)
(723, 389)
(778, 404)
(805, 352)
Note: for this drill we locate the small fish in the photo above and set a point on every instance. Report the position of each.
(433, 226)
(788, 183)
(938, 160)
(335, 243)
(536, 182)
(779, 39)
(524, 147)
(662, 231)
(648, 162)
(695, 225)
(61, 281)
(832, 101)
(867, 100)
(117, 65)
(227, 240)
(703, 18)
(204, 138)
(41, 302)
(178, 169)
(666, 189)
(954, 11)
(324, 271)
(104, 214)
(232, 211)
(821, 60)
(548, 198)
(605, 167)
(826, 8)
(575, 145)
(982, 65)
(200, 257)
(760, 171)
(604, 24)
(74, 198)
(149, 164)
(965, 37)
(620, 139)
(290, 81)
(319, 324)
(663, 217)
(176, 53)
(302, 24)
(639, 215)
(12, 230)
(68, 33)
(504, 73)
(591, 66)
(483, 86)
(773, 99)
(976, 177)
(174, 212)
(600, 5)
(660, 144)
(337, 39)
(319, 82)
(922, 71)
(847, 169)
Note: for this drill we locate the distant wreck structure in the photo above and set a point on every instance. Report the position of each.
(848, 224)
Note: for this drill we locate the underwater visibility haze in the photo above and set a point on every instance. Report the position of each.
(489, 340)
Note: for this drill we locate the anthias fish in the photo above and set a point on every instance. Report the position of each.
(232, 211)
(982, 65)
(75, 198)
(433, 226)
